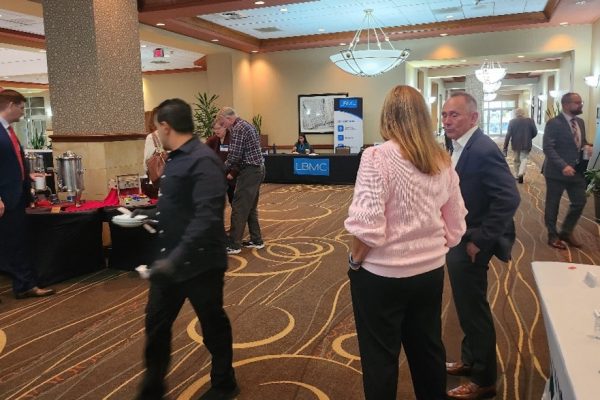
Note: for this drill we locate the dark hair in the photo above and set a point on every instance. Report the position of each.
(567, 97)
(10, 96)
(305, 140)
(177, 113)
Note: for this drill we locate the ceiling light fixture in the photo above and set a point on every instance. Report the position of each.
(214, 40)
(592, 80)
(489, 96)
(449, 16)
(143, 46)
(520, 56)
(369, 62)
(564, 23)
(554, 93)
(254, 51)
(543, 97)
(283, 9)
(160, 24)
(580, 3)
(491, 87)
(259, 3)
(443, 34)
(321, 30)
(490, 72)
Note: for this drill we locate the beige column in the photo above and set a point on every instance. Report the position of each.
(475, 89)
(95, 79)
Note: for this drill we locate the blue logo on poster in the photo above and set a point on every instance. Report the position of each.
(340, 128)
(349, 103)
(340, 137)
(311, 166)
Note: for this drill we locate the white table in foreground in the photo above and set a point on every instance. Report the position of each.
(568, 305)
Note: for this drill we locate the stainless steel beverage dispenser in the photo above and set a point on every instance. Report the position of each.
(35, 163)
(69, 170)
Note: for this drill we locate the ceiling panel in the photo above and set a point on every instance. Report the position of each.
(343, 16)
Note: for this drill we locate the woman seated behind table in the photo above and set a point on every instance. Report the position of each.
(219, 142)
(302, 146)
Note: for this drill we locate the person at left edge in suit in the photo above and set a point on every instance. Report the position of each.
(15, 196)
(491, 197)
(565, 145)
(192, 259)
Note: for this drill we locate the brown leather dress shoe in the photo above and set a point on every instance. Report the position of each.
(471, 391)
(458, 368)
(557, 244)
(35, 292)
(569, 239)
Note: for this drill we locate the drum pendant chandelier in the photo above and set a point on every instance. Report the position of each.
(369, 62)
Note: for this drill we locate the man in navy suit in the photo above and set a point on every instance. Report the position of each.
(15, 185)
(564, 147)
(491, 197)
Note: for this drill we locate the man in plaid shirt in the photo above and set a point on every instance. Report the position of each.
(245, 154)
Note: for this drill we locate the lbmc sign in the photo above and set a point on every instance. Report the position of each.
(314, 166)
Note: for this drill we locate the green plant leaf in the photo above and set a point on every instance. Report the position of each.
(205, 112)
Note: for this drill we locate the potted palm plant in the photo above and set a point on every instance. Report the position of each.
(593, 178)
(205, 112)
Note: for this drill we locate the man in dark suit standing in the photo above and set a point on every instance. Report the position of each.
(565, 145)
(192, 259)
(491, 197)
(521, 130)
(15, 196)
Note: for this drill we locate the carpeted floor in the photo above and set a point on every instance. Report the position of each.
(290, 309)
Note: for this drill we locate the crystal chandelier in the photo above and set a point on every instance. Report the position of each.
(369, 62)
(489, 96)
(491, 87)
(490, 72)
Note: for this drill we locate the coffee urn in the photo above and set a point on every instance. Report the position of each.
(69, 170)
(35, 163)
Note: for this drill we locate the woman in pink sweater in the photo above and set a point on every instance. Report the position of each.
(406, 213)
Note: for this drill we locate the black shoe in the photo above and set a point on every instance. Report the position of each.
(253, 245)
(520, 179)
(220, 394)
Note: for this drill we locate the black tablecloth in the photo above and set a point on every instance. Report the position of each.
(281, 168)
(65, 245)
(130, 247)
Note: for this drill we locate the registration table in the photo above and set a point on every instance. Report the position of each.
(332, 169)
(568, 304)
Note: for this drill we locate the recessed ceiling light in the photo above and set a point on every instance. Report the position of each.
(520, 56)
(463, 60)
(254, 51)
(443, 34)
(342, 44)
(259, 3)
(160, 24)
(321, 30)
(564, 24)
(449, 16)
(580, 3)
(214, 40)
(283, 9)
(144, 45)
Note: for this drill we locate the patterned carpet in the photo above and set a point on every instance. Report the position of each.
(290, 309)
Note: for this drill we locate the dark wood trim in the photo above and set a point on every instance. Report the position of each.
(174, 71)
(83, 138)
(550, 8)
(24, 85)
(18, 38)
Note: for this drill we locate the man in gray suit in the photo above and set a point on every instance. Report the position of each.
(520, 130)
(565, 145)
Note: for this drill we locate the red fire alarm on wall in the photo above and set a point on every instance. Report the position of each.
(159, 52)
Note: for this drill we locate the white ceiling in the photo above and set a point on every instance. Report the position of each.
(23, 65)
(347, 15)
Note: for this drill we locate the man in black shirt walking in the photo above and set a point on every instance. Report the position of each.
(192, 259)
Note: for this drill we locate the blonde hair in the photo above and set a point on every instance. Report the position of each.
(226, 112)
(519, 112)
(405, 120)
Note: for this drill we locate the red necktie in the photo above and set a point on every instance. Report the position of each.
(575, 133)
(17, 147)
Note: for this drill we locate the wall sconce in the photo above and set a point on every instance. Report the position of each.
(432, 99)
(543, 97)
(592, 80)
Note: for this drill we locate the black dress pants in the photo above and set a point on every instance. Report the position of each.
(14, 258)
(395, 312)
(554, 189)
(469, 290)
(205, 293)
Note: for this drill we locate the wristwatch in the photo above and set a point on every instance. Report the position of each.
(354, 265)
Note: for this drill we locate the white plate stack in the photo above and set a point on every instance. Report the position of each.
(126, 221)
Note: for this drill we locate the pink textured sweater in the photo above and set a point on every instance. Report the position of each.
(409, 219)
